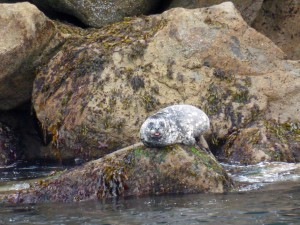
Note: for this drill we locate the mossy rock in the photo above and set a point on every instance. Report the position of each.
(133, 171)
(265, 141)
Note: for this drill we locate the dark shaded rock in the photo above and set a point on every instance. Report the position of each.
(9, 145)
(23, 122)
(99, 13)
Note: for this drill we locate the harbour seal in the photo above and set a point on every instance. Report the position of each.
(174, 124)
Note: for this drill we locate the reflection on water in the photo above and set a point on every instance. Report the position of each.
(18, 175)
(277, 203)
(263, 207)
(27, 170)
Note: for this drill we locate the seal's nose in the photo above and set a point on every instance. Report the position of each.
(154, 132)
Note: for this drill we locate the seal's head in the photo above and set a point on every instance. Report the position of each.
(154, 130)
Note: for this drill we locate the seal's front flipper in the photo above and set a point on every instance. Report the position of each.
(189, 141)
(203, 144)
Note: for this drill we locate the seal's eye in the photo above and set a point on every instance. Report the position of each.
(151, 124)
(161, 124)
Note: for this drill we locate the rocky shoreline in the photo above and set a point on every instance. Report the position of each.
(90, 89)
(132, 171)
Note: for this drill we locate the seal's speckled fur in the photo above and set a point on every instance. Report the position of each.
(174, 124)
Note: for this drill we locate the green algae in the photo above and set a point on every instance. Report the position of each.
(214, 100)
(285, 132)
(112, 178)
(214, 23)
(226, 97)
(149, 101)
(83, 130)
(156, 155)
(207, 159)
(124, 174)
(241, 96)
(126, 102)
(134, 32)
(82, 59)
(138, 153)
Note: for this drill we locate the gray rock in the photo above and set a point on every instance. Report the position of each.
(99, 13)
(248, 8)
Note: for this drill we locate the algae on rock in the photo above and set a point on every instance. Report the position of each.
(132, 171)
(100, 87)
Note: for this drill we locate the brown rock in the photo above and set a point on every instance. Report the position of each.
(270, 141)
(96, 92)
(248, 8)
(25, 43)
(279, 20)
(132, 171)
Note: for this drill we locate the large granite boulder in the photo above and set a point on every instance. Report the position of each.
(132, 171)
(279, 20)
(248, 8)
(96, 92)
(26, 42)
(99, 13)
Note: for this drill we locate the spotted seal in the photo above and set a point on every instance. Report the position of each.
(174, 124)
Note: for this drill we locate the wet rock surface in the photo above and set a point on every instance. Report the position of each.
(132, 171)
(30, 137)
(266, 141)
(9, 145)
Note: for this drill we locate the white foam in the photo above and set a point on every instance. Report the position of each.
(256, 176)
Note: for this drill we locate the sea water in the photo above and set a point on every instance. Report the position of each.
(269, 193)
